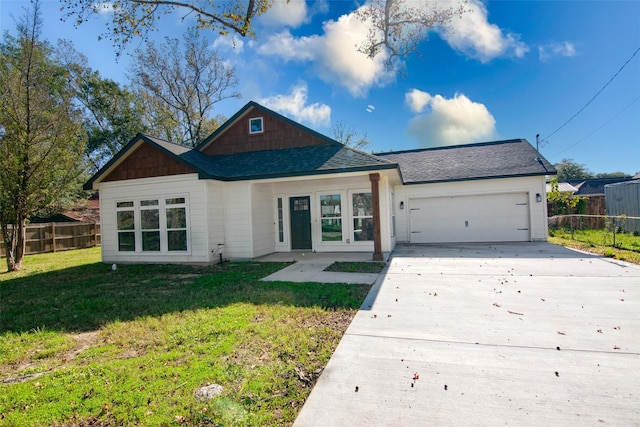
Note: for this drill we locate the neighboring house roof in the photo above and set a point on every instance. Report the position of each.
(563, 187)
(593, 186)
(499, 159)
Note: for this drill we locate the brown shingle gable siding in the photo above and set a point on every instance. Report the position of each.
(147, 162)
(277, 135)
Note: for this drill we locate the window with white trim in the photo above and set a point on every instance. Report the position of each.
(176, 219)
(280, 220)
(125, 219)
(256, 125)
(331, 217)
(362, 217)
(152, 225)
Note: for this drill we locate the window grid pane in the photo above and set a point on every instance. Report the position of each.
(331, 217)
(362, 204)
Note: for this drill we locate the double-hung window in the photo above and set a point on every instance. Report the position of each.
(150, 225)
(176, 216)
(331, 217)
(362, 216)
(125, 219)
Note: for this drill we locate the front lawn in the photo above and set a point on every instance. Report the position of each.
(82, 344)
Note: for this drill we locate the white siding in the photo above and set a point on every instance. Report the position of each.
(528, 185)
(345, 185)
(263, 221)
(215, 217)
(237, 220)
(177, 185)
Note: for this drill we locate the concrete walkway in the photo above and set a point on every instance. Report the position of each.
(309, 267)
(511, 334)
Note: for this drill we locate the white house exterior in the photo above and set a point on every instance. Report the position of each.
(271, 185)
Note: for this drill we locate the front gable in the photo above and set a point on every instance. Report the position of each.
(147, 162)
(256, 128)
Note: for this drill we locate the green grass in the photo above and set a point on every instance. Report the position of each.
(627, 247)
(356, 267)
(81, 344)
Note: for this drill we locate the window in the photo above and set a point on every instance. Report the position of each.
(362, 217)
(280, 221)
(331, 217)
(152, 225)
(125, 218)
(176, 211)
(255, 125)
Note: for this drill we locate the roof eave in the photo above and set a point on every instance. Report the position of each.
(478, 178)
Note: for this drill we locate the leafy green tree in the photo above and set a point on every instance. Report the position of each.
(561, 202)
(41, 137)
(568, 169)
(611, 175)
(112, 114)
(180, 87)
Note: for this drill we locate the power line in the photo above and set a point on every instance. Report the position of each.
(600, 127)
(594, 96)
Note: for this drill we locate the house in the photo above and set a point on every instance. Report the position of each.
(263, 183)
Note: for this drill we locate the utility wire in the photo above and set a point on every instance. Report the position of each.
(600, 127)
(594, 96)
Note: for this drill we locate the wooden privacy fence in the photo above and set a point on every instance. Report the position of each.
(59, 236)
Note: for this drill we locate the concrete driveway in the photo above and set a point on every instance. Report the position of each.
(501, 334)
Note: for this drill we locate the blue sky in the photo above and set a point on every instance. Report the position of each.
(506, 69)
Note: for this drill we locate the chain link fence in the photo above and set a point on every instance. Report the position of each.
(619, 231)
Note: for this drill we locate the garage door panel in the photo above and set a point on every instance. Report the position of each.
(486, 218)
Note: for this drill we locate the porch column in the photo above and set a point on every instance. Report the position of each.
(375, 202)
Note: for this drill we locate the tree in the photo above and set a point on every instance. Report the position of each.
(568, 169)
(561, 202)
(42, 141)
(397, 26)
(611, 175)
(112, 115)
(180, 88)
(135, 18)
(348, 136)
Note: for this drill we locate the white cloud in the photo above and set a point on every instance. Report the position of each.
(334, 54)
(295, 106)
(292, 13)
(417, 100)
(546, 52)
(229, 43)
(473, 35)
(452, 121)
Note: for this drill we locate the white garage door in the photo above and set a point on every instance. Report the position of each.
(486, 218)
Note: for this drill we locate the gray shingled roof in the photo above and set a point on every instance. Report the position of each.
(317, 159)
(499, 159)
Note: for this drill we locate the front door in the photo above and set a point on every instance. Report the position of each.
(300, 214)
